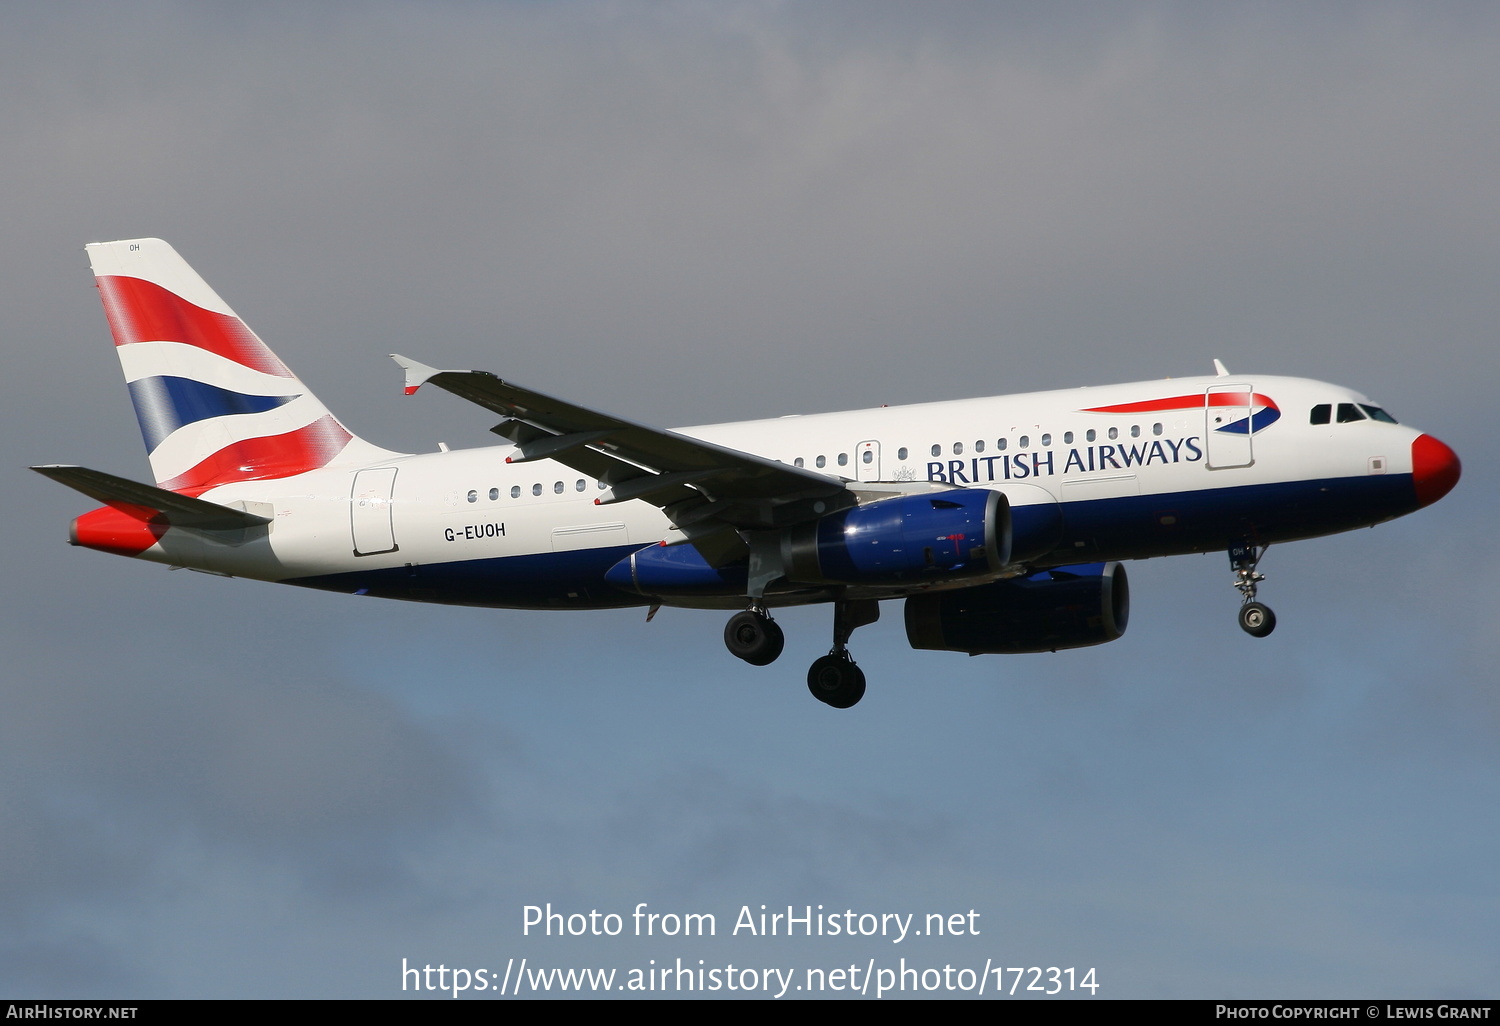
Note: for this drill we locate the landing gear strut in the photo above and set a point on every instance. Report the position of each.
(754, 637)
(834, 679)
(1256, 618)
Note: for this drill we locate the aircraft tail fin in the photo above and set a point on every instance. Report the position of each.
(215, 405)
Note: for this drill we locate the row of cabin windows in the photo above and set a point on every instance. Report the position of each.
(1023, 442)
(822, 461)
(558, 488)
(1349, 413)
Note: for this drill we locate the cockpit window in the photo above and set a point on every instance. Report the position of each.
(1376, 413)
(1321, 413)
(1349, 412)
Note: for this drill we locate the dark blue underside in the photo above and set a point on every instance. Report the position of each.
(544, 580)
(1140, 526)
(1132, 527)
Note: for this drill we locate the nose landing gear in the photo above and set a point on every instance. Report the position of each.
(1256, 618)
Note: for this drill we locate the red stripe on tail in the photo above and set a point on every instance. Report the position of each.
(273, 456)
(142, 311)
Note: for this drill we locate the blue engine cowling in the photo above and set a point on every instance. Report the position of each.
(675, 570)
(909, 539)
(906, 540)
(1064, 607)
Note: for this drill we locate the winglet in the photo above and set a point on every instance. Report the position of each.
(416, 373)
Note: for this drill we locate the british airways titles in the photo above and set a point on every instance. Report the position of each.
(1018, 466)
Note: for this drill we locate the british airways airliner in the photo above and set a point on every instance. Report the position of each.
(1001, 522)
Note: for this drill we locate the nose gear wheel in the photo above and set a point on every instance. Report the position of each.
(1256, 618)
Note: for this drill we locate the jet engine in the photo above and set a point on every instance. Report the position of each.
(906, 540)
(1064, 607)
(948, 535)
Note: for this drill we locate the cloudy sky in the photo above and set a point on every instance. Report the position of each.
(689, 212)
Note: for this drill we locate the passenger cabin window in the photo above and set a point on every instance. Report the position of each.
(1321, 413)
(937, 450)
(515, 491)
(821, 461)
(1002, 444)
(473, 495)
(797, 462)
(1047, 439)
(1349, 412)
(1089, 435)
(958, 448)
(901, 453)
(843, 459)
(1024, 441)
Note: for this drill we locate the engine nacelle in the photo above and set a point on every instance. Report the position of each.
(675, 570)
(948, 535)
(1064, 607)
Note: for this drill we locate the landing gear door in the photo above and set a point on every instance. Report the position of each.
(867, 461)
(1227, 428)
(370, 511)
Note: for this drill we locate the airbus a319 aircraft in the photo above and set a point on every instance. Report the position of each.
(1001, 522)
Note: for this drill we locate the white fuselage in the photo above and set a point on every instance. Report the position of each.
(1142, 482)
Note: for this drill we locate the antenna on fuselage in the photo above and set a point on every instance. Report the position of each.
(1221, 370)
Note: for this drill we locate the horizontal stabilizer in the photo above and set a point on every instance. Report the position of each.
(179, 510)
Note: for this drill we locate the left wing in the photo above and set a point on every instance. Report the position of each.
(709, 491)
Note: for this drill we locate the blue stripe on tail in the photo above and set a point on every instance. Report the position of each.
(164, 404)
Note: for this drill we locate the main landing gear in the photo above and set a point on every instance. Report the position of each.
(833, 679)
(1256, 618)
(754, 637)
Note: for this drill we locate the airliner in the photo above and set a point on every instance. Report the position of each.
(1002, 523)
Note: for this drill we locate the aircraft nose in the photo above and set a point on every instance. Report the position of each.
(1434, 469)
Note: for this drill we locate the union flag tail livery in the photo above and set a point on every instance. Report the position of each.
(1001, 523)
(214, 404)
